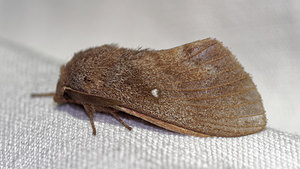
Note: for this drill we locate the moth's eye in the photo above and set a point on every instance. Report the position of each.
(66, 96)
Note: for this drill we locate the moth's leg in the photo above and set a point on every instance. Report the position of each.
(120, 120)
(113, 113)
(90, 110)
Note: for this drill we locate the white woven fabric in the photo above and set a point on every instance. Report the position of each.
(36, 133)
(263, 34)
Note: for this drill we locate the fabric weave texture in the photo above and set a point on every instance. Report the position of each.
(36, 133)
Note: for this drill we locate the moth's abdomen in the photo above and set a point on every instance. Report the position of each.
(200, 86)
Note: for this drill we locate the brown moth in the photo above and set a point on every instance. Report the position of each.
(198, 88)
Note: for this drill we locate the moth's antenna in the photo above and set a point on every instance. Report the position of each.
(42, 94)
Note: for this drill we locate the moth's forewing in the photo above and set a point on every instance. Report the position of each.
(199, 87)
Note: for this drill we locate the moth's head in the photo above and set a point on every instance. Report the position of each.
(84, 72)
(73, 75)
(59, 95)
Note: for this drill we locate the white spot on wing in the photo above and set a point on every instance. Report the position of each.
(154, 92)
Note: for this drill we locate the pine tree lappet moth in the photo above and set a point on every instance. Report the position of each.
(198, 88)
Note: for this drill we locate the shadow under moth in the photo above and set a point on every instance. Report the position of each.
(197, 89)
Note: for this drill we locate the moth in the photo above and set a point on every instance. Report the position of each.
(198, 88)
